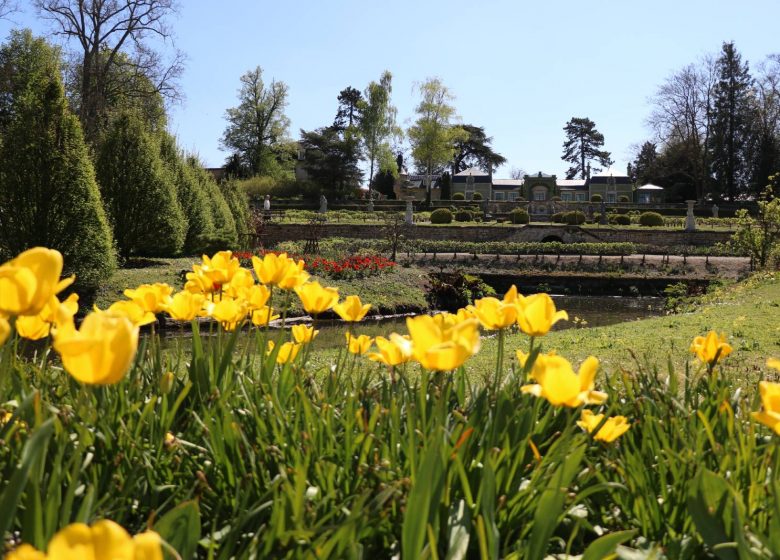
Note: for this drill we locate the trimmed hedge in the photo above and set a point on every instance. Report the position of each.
(441, 216)
(519, 216)
(574, 218)
(458, 196)
(558, 217)
(476, 196)
(596, 198)
(651, 219)
(620, 219)
(463, 216)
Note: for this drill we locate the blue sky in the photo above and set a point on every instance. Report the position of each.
(520, 69)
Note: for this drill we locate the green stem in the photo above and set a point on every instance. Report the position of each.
(499, 360)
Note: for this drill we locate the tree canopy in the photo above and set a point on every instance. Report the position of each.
(474, 150)
(582, 146)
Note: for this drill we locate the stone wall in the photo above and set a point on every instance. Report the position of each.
(275, 233)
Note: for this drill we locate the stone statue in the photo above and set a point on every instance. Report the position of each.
(267, 203)
(715, 210)
(603, 211)
(690, 219)
(323, 204)
(409, 217)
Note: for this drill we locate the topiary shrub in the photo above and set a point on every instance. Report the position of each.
(458, 196)
(620, 220)
(558, 217)
(463, 216)
(556, 199)
(596, 198)
(476, 196)
(441, 216)
(519, 216)
(574, 218)
(623, 198)
(651, 219)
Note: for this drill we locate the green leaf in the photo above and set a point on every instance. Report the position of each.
(710, 504)
(606, 545)
(32, 452)
(458, 525)
(180, 528)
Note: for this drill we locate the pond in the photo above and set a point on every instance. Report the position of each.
(584, 311)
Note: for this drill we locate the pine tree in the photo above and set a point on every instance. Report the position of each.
(582, 146)
(48, 193)
(139, 195)
(194, 200)
(731, 124)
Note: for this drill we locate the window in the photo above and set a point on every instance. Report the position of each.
(566, 196)
(511, 196)
(498, 196)
(611, 197)
(539, 193)
(581, 197)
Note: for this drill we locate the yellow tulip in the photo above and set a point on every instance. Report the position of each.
(512, 296)
(133, 311)
(256, 296)
(287, 351)
(303, 334)
(261, 317)
(494, 314)
(770, 401)
(198, 282)
(395, 351)
(351, 309)
(536, 314)
(151, 297)
(316, 298)
(279, 270)
(101, 351)
(105, 539)
(442, 342)
(712, 348)
(774, 363)
(26, 552)
(185, 306)
(557, 382)
(220, 268)
(54, 314)
(28, 281)
(228, 312)
(358, 344)
(242, 280)
(5, 330)
(612, 429)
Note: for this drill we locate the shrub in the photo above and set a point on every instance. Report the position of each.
(463, 216)
(596, 198)
(48, 193)
(441, 216)
(620, 219)
(138, 193)
(519, 216)
(558, 217)
(556, 199)
(574, 218)
(221, 216)
(476, 196)
(623, 198)
(451, 291)
(651, 219)
(458, 196)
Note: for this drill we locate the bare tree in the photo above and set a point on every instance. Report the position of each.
(7, 7)
(113, 38)
(517, 173)
(682, 113)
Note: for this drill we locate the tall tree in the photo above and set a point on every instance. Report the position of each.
(682, 116)
(348, 114)
(582, 146)
(764, 144)
(139, 194)
(48, 193)
(645, 166)
(731, 122)
(332, 161)
(434, 134)
(474, 150)
(113, 39)
(377, 125)
(258, 124)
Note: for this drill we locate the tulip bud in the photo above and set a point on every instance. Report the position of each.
(166, 382)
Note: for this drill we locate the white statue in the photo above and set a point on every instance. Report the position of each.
(323, 204)
(267, 203)
(715, 210)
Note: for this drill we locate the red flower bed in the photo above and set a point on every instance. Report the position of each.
(357, 265)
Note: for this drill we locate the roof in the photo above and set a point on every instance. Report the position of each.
(475, 171)
(508, 183)
(539, 174)
(610, 172)
(650, 187)
(570, 183)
